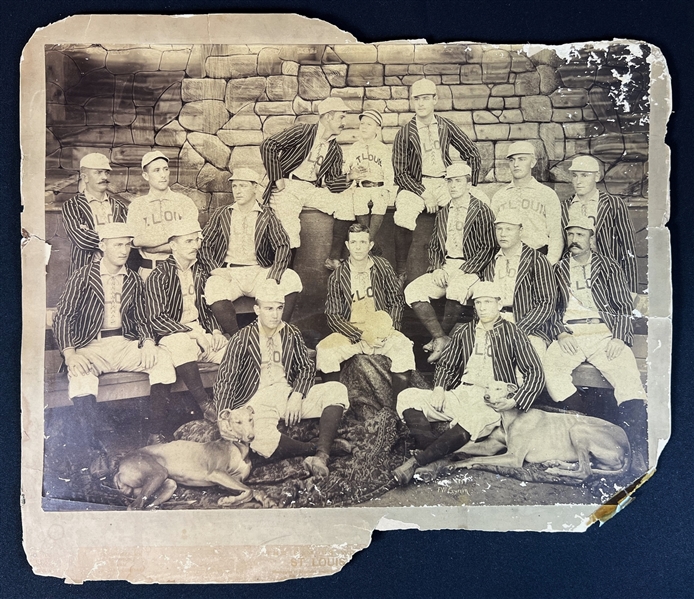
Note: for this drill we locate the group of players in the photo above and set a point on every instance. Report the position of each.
(533, 287)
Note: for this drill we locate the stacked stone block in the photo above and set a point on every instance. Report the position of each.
(209, 107)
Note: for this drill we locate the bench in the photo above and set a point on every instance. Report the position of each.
(587, 375)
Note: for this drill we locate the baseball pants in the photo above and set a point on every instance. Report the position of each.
(183, 348)
(409, 205)
(297, 195)
(237, 281)
(355, 202)
(463, 405)
(117, 354)
(337, 348)
(592, 339)
(270, 405)
(423, 289)
(538, 343)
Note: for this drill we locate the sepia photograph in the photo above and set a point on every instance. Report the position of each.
(337, 275)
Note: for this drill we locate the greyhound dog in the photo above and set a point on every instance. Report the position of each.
(150, 474)
(569, 444)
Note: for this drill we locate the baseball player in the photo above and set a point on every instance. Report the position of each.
(592, 324)
(91, 208)
(244, 244)
(364, 310)
(483, 351)
(268, 368)
(524, 278)
(462, 244)
(179, 316)
(100, 326)
(538, 204)
(614, 233)
(151, 215)
(300, 161)
(370, 162)
(421, 153)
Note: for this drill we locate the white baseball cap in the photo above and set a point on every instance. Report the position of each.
(422, 87)
(184, 226)
(114, 230)
(485, 289)
(520, 147)
(582, 222)
(458, 169)
(96, 161)
(509, 216)
(150, 157)
(269, 291)
(245, 174)
(586, 164)
(332, 105)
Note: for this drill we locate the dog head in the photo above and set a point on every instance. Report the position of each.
(237, 425)
(497, 393)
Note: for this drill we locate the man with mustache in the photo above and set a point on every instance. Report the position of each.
(538, 204)
(304, 168)
(592, 323)
(613, 232)
(151, 216)
(84, 213)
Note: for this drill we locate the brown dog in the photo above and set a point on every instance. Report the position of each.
(570, 444)
(150, 474)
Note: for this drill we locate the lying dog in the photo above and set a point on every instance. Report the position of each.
(570, 444)
(150, 474)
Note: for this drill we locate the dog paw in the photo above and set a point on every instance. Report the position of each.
(263, 499)
(230, 500)
(432, 471)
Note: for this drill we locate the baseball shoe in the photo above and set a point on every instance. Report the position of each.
(317, 465)
(331, 264)
(403, 474)
(156, 439)
(440, 343)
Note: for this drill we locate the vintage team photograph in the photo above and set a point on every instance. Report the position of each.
(299, 276)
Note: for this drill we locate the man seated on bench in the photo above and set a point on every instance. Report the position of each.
(244, 244)
(268, 368)
(485, 350)
(180, 317)
(364, 309)
(592, 324)
(100, 326)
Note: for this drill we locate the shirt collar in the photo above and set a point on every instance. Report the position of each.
(369, 263)
(422, 125)
(532, 182)
(573, 263)
(179, 267)
(256, 207)
(462, 202)
(262, 333)
(151, 197)
(104, 273)
(91, 198)
(514, 254)
(595, 196)
(319, 134)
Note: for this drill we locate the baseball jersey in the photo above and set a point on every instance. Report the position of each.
(308, 169)
(505, 272)
(581, 303)
(241, 249)
(363, 304)
(376, 156)
(113, 292)
(271, 367)
(479, 369)
(148, 215)
(457, 214)
(190, 310)
(101, 210)
(432, 157)
(541, 212)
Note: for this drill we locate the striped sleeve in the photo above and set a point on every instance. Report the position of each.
(403, 178)
(395, 298)
(544, 296)
(624, 243)
(337, 313)
(157, 295)
(68, 309)
(335, 179)
(142, 323)
(84, 238)
(449, 369)
(482, 243)
(468, 150)
(213, 241)
(437, 253)
(305, 369)
(621, 300)
(529, 365)
(279, 241)
(230, 369)
(271, 148)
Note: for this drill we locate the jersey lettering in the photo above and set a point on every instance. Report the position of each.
(358, 296)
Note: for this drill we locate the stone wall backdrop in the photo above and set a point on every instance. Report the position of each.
(208, 107)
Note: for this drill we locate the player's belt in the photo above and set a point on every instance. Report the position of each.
(432, 177)
(151, 264)
(230, 265)
(507, 309)
(292, 176)
(585, 321)
(111, 333)
(369, 183)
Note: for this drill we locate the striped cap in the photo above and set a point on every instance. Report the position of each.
(373, 115)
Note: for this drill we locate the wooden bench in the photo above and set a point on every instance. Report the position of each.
(587, 375)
